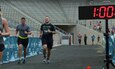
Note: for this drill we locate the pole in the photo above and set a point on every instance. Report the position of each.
(107, 45)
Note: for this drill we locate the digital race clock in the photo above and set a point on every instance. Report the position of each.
(97, 12)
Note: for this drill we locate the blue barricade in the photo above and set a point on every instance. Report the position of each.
(112, 47)
(11, 48)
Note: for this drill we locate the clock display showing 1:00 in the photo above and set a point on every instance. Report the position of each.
(104, 12)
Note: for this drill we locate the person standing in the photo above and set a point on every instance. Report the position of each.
(3, 25)
(93, 39)
(24, 30)
(98, 39)
(85, 39)
(79, 38)
(46, 33)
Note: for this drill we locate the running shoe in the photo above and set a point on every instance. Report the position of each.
(48, 61)
(19, 61)
(24, 61)
(44, 60)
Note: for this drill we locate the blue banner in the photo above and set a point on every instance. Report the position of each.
(112, 47)
(11, 48)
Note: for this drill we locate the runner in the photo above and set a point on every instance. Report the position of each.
(47, 31)
(3, 25)
(24, 31)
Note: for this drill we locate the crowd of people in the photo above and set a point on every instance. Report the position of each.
(85, 37)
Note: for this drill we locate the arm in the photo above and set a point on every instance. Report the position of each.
(16, 32)
(5, 25)
(41, 32)
(52, 30)
(28, 31)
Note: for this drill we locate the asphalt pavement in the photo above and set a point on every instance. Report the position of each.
(65, 57)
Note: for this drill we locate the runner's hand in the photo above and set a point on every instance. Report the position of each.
(26, 32)
(49, 31)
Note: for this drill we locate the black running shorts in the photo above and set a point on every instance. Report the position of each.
(24, 42)
(2, 47)
(49, 42)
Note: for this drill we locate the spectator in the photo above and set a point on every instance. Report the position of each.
(94, 27)
(98, 39)
(99, 27)
(79, 38)
(90, 23)
(113, 29)
(93, 39)
(85, 39)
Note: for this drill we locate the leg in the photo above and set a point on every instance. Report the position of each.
(80, 41)
(49, 47)
(25, 51)
(44, 45)
(1, 53)
(48, 54)
(85, 42)
(25, 44)
(19, 41)
(44, 53)
(44, 50)
(1, 59)
(93, 43)
(19, 51)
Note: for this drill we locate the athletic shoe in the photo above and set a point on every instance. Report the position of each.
(44, 60)
(19, 61)
(24, 61)
(48, 61)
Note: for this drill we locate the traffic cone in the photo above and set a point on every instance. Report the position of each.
(88, 67)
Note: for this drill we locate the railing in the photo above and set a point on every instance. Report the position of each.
(62, 31)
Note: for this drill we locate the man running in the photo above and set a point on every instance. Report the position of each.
(3, 25)
(46, 33)
(24, 31)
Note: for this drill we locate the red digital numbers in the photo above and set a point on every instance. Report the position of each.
(110, 12)
(94, 12)
(103, 12)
